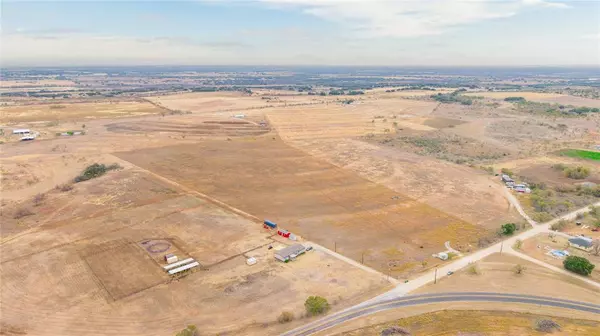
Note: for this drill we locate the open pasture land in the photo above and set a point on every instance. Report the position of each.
(76, 111)
(336, 120)
(224, 103)
(552, 98)
(85, 271)
(234, 127)
(310, 197)
(331, 133)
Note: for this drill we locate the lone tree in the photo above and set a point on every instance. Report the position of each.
(508, 228)
(316, 305)
(579, 265)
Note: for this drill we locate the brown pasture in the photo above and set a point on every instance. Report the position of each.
(310, 197)
(75, 111)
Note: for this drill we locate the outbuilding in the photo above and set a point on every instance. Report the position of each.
(290, 252)
(21, 131)
(582, 243)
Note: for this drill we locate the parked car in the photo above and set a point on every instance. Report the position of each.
(450, 272)
(309, 248)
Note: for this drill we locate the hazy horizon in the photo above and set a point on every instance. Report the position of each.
(519, 33)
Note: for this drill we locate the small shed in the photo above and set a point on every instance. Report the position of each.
(582, 243)
(290, 252)
(171, 258)
(251, 261)
(506, 178)
(443, 255)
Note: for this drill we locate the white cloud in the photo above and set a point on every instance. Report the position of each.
(595, 36)
(410, 18)
(79, 48)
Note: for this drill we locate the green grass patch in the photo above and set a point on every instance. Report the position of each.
(582, 154)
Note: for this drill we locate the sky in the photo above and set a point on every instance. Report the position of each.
(301, 32)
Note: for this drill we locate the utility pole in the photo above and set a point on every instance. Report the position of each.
(334, 246)
(501, 245)
(435, 277)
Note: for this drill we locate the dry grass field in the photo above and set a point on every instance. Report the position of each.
(312, 198)
(78, 111)
(552, 98)
(87, 273)
(489, 323)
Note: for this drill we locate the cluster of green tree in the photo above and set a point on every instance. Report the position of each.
(454, 97)
(204, 89)
(576, 173)
(355, 92)
(508, 229)
(515, 99)
(95, 170)
(334, 92)
(348, 101)
(579, 265)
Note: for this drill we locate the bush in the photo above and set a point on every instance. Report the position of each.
(508, 229)
(95, 170)
(395, 331)
(577, 173)
(64, 187)
(316, 305)
(518, 244)
(561, 224)
(519, 269)
(474, 269)
(191, 330)
(507, 172)
(546, 326)
(541, 217)
(38, 199)
(285, 317)
(22, 212)
(579, 265)
(514, 99)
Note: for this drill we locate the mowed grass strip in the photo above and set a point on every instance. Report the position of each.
(582, 154)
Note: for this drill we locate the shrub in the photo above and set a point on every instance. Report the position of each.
(474, 269)
(22, 212)
(64, 187)
(316, 305)
(579, 265)
(507, 171)
(508, 228)
(285, 317)
(546, 326)
(541, 217)
(514, 99)
(577, 173)
(561, 224)
(95, 170)
(519, 269)
(395, 331)
(191, 330)
(38, 199)
(518, 244)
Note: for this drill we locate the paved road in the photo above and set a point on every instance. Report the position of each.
(414, 300)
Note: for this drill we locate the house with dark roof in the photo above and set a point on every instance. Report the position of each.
(582, 243)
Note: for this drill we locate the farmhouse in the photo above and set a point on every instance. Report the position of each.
(290, 252)
(582, 243)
